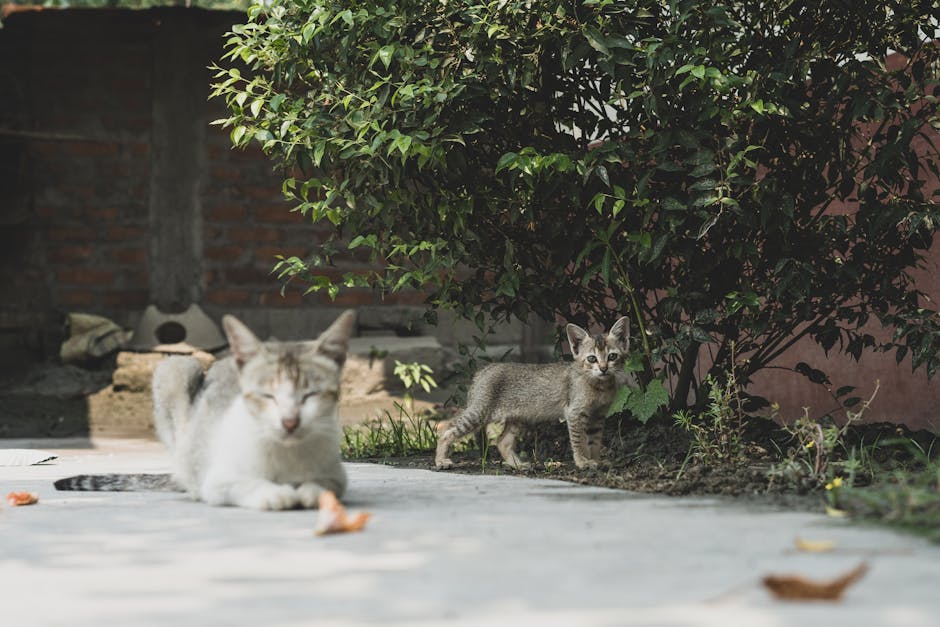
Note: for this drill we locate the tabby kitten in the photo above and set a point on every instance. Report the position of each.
(579, 393)
(260, 429)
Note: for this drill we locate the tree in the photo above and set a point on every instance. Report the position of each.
(734, 176)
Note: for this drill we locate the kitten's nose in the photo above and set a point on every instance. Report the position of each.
(290, 424)
(602, 367)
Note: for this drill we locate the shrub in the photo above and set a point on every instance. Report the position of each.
(726, 173)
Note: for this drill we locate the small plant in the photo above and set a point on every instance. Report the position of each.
(389, 437)
(819, 453)
(414, 375)
(718, 432)
(906, 498)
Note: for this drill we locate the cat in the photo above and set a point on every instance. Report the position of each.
(260, 429)
(579, 393)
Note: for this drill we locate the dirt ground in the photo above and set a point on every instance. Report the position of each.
(655, 458)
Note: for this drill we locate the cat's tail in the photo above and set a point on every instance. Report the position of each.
(119, 483)
(175, 383)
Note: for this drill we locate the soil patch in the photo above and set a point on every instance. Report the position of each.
(655, 458)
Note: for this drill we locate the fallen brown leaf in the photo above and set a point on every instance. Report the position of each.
(796, 588)
(334, 519)
(22, 498)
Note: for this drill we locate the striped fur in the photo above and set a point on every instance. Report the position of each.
(120, 483)
(579, 393)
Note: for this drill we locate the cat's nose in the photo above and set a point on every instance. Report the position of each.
(290, 424)
(602, 368)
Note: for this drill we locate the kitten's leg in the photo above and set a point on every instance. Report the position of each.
(251, 493)
(507, 445)
(595, 437)
(467, 421)
(578, 422)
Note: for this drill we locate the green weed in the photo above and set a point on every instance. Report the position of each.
(718, 432)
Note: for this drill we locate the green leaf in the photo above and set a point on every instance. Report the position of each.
(643, 404)
(276, 102)
(385, 55)
(596, 40)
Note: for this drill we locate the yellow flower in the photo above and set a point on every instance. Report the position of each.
(835, 483)
(811, 444)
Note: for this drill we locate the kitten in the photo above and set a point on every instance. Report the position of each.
(260, 429)
(579, 393)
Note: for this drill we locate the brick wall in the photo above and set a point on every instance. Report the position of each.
(76, 221)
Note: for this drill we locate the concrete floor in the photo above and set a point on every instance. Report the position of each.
(441, 549)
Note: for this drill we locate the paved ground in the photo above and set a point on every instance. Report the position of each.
(441, 549)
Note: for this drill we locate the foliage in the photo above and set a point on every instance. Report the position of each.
(414, 375)
(819, 454)
(138, 4)
(390, 437)
(718, 432)
(749, 173)
(905, 499)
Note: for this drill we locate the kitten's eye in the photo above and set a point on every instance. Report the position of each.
(613, 357)
(266, 396)
(308, 395)
(592, 359)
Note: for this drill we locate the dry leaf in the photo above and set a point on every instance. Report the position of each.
(333, 518)
(796, 588)
(22, 498)
(814, 546)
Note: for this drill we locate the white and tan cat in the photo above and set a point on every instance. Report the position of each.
(579, 393)
(260, 429)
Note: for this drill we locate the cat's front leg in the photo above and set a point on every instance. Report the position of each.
(259, 494)
(578, 422)
(594, 430)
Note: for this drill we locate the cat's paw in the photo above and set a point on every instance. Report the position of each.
(309, 495)
(587, 464)
(272, 497)
(517, 464)
(444, 464)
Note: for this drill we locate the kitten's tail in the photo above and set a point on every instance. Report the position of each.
(119, 483)
(175, 382)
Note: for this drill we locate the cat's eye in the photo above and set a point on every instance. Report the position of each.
(613, 357)
(309, 395)
(266, 396)
(592, 359)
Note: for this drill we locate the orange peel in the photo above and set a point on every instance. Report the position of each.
(334, 519)
(16, 499)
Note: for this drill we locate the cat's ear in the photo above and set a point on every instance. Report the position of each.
(334, 342)
(245, 344)
(621, 332)
(576, 335)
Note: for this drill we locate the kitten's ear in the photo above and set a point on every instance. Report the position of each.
(334, 342)
(621, 332)
(576, 335)
(243, 342)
